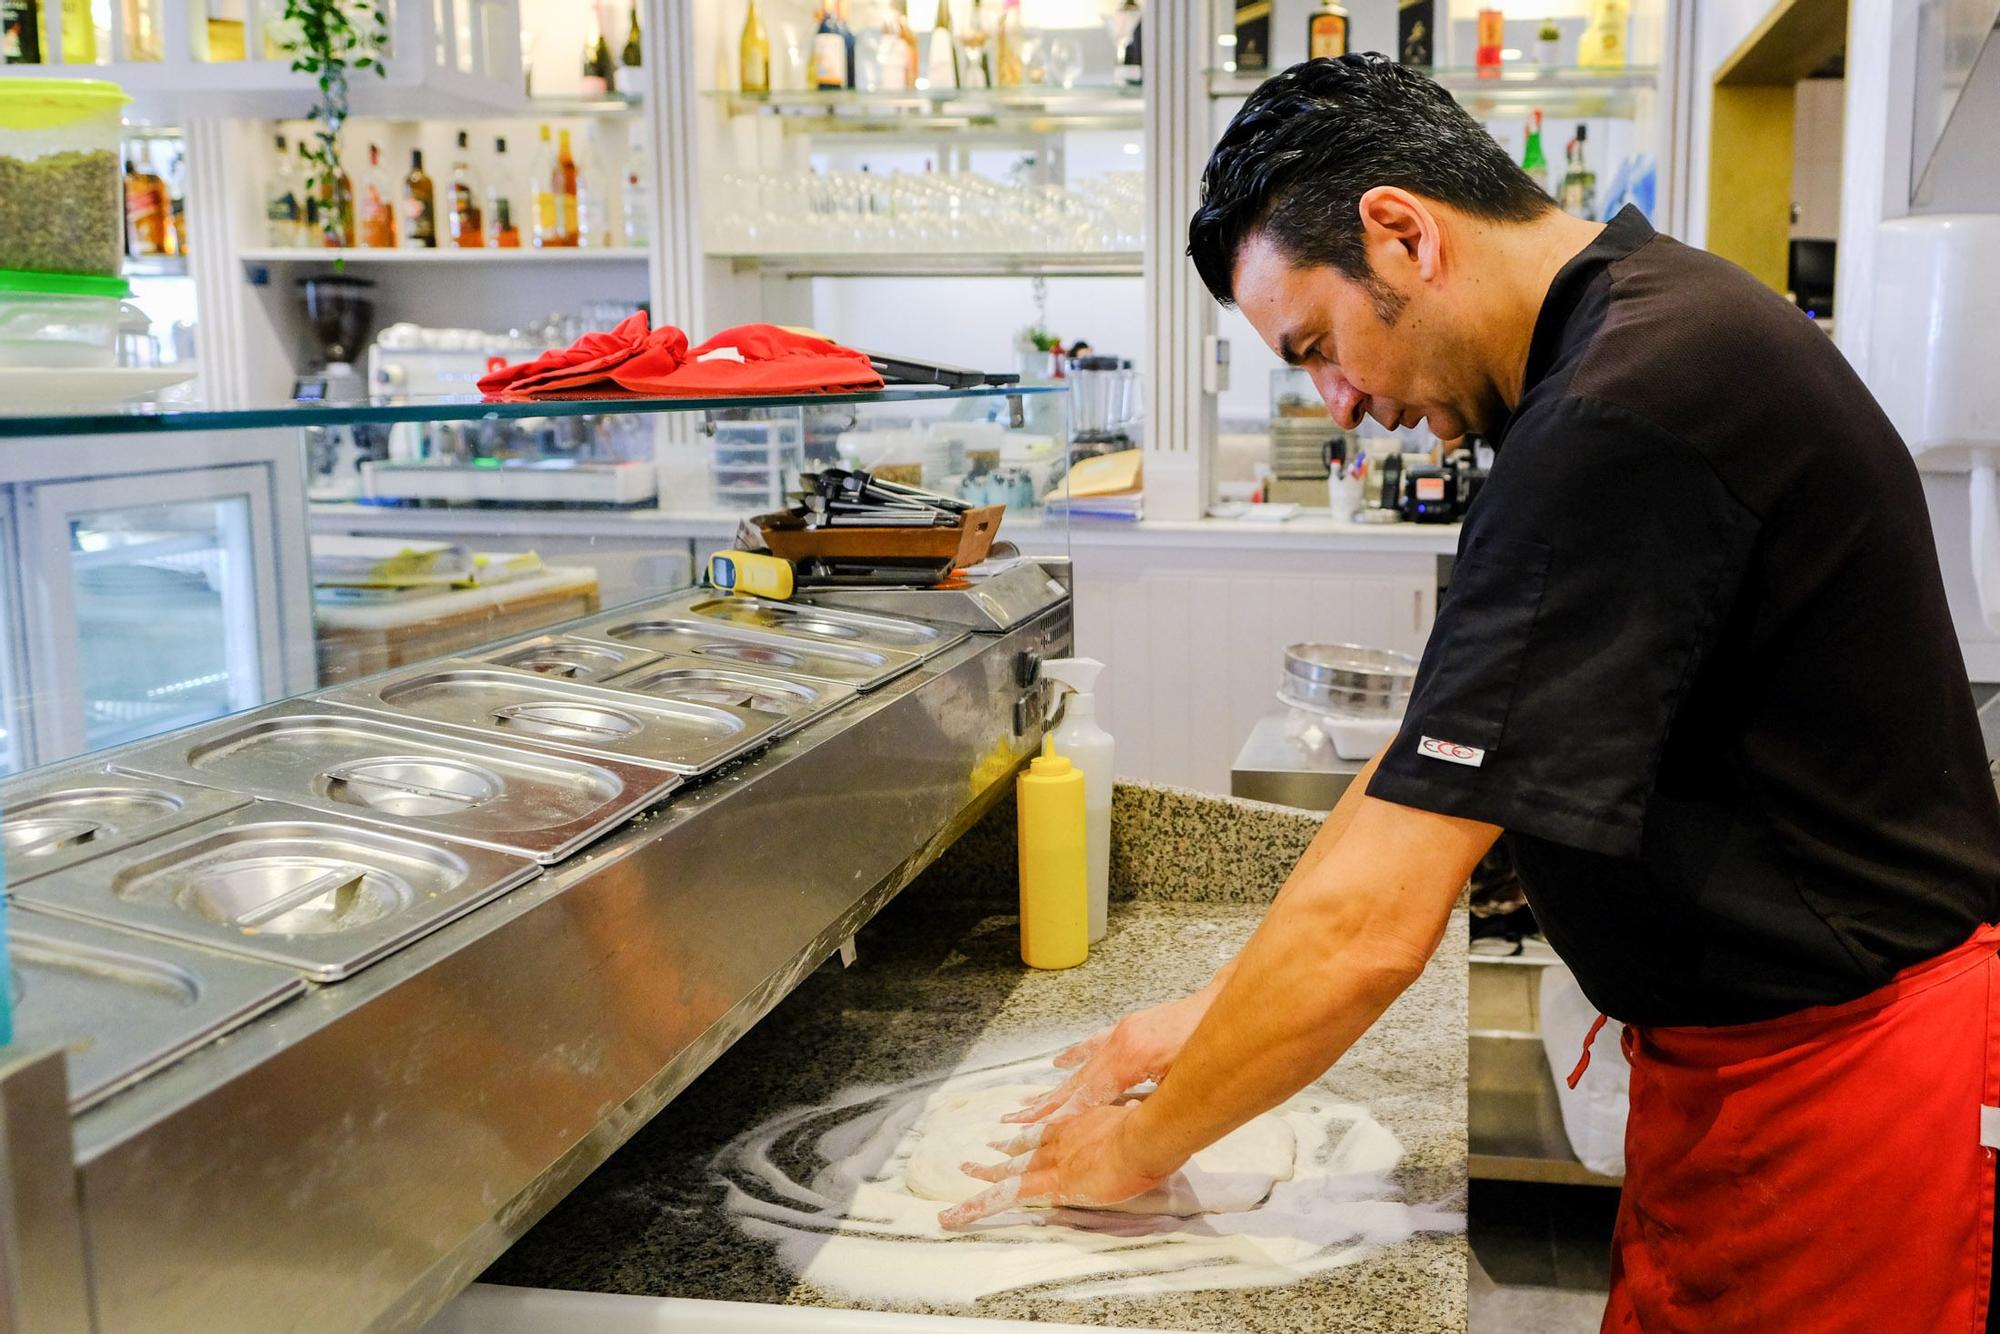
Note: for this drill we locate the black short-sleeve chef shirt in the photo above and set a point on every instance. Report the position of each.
(1695, 657)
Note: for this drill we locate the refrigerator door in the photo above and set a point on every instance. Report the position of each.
(14, 741)
(154, 601)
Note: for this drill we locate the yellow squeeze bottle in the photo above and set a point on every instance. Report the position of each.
(1055, 895)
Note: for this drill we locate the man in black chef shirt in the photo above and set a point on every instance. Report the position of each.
(1695, 661)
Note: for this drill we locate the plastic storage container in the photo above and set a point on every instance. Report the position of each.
(61, 192)
(59, 319)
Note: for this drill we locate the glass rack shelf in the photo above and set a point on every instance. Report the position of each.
(153, 418)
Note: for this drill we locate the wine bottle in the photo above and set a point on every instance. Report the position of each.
(378, 212)
(419, 206)
(753, 74)
(282, 211)
(563, 186)
(1326, 31)
(499, 193)
(467, 218)
(943, 64)
(829, 51)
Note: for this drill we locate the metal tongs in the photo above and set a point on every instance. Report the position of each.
(837, 497)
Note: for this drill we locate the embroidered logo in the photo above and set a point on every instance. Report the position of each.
(1451, 752)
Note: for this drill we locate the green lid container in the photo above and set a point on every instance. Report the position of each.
(62, 199)
(24, 282)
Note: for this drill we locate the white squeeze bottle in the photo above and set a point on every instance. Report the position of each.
(1089, 748)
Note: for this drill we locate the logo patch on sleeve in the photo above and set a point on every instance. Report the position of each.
(1451, 752)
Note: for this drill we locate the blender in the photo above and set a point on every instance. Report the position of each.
(340, 317)
(1103, 405)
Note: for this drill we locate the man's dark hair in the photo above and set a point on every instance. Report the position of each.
(1311, 141)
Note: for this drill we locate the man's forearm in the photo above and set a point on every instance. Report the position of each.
(1336, 823)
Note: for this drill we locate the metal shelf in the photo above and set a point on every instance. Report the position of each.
(945, 111)
(1560, 93)
(1112, 265)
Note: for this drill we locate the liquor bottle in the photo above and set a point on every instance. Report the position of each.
(335, 204)
(1413, 32)
(899, 28)
(145, 210)
(378, 208)
(466, 218)
(942, 68)
(499, 191)
(78, 32)
(564, 182)
(753, 65)
(1578, 195)
(1129, 20)
(847, 35)
(1253, 36)
(632, 212)
(20, 33)
(541, 183)
(419, 206)
(174, 181)
(1603, 44)
(1008, 37)
(1533, 160)
(1492, 36)
(976, 66)
(597, 67)
(506, 236)
(626, 81)
(1326, 31)
(283, 213)
(831, 69)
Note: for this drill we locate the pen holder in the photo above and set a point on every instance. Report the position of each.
(1344, 495)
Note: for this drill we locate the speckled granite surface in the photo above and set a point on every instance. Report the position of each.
(940, 986)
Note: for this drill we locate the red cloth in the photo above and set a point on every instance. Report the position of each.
(775, 360)
(1823, 1171)
(589, 355)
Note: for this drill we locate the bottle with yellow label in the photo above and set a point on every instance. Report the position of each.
(1055, 887)
(1326, 31)
(1603, 44)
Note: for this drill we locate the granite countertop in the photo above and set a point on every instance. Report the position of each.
(939, 986)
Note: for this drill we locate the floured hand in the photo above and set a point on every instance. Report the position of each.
(1138, 1049)
(1077, 1162)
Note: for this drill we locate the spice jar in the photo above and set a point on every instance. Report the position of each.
(61, 195)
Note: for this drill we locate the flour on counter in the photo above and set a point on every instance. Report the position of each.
(960, 1123)
(831, 1188)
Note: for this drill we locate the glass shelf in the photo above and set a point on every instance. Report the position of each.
(152, 418)
(1035, 110)
(1562, 92)
(1112, 264)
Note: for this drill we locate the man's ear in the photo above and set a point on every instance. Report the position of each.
(1398, 229)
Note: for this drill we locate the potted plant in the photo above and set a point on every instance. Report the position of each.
(327, 39)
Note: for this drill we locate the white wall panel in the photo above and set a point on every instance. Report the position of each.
(1194, 641)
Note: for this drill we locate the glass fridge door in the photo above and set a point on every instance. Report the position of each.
(13, 695)
(158, 602)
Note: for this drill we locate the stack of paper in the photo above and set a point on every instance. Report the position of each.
(1109, 486)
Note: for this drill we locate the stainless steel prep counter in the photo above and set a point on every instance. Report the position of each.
(353, 1158)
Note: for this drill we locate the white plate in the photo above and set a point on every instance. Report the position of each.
(81, 386)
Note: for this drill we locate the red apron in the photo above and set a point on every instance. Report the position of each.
(1830, 1170)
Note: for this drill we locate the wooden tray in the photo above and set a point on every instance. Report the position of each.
(788, 537)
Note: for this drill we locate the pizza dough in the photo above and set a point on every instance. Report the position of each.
(1234, 1174)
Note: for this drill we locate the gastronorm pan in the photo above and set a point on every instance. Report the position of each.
(500, 703)
(50, 821)
(286, 885)
(536, 803)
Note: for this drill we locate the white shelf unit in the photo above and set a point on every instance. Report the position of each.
(177, 62)
(476, 256)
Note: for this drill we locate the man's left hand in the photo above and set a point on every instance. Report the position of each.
(1078, 1162)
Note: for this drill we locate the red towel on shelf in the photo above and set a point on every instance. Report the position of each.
(753, 359)
(586, 361)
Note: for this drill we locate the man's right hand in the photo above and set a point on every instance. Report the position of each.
(1139, 1048)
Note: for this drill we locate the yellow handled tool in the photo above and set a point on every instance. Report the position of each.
(751, 573)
